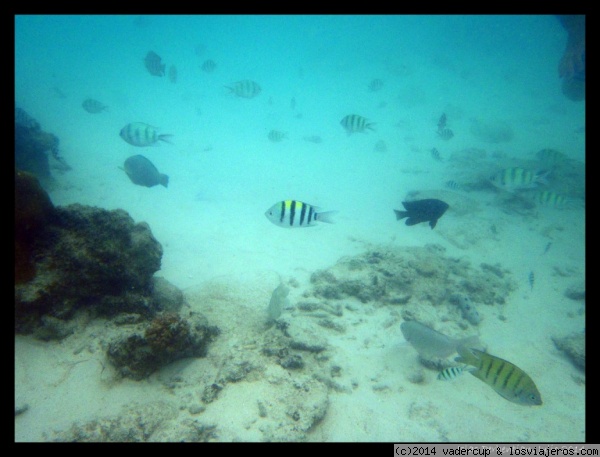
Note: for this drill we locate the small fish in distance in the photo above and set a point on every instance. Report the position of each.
(427, 210)
(93, 106)
(353, 123)
(154, 64)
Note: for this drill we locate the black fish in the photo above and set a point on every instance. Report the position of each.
(154, 65)
(417, 211)
(143, 172)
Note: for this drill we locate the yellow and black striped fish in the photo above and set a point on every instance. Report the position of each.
(245, 88)
(294, 213)
(550, 157)
(504, 377)
(517, 178)
(549, 199)
(140, 134)
(355, 123)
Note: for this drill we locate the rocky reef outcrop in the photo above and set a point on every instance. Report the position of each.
(77, 263)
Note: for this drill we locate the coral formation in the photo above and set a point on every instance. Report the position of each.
(166, 338)
(88, 257)
(33, 209)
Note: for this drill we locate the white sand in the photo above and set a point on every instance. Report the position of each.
(224, 175)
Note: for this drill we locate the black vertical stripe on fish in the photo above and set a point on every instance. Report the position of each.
(311, 214)
(500, 368)
(303, 214)
(489, 367)
(282, 212)
(292, 211)
(505, 383)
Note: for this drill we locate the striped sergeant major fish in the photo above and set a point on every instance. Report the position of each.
(549, 199)
(354, 123)
(140, 134)
(451, 373)
(517, 178)
(294, 213)
(505, 378)
(245, 88)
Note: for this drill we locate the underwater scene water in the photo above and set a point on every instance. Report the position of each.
(300, 228)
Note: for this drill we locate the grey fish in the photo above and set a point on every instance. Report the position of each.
(93, 106)
(245, 88)
(427, 210)
(143, 172)
(353, 123)
(430, 343)
(436, 154)
(278, 301)
(154, 64)
(547, 248)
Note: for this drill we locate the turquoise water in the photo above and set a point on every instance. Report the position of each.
(224, 171)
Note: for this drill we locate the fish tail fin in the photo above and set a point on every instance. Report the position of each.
(541, 176)
(400, 214)
(166, 137)
(163, 180)
(326, 217)
(371, 126)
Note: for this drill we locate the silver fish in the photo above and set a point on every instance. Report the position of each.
(278, 301)
(245, 88)
(430, 343)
